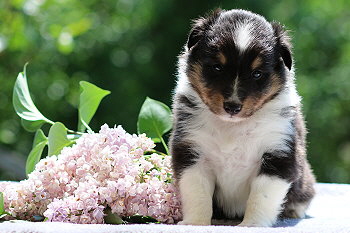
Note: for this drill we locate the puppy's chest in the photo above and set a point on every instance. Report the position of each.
(233, 152)
(230, 148)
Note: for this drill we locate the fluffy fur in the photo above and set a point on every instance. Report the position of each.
(238, 142)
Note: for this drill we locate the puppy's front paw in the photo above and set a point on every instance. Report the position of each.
(254, 223)
(194, 222)
(247, 224)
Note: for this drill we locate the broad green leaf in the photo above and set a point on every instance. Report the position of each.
(140, 219)
(39, 137)
(2, 206)
(32, 126)
(39, 143)
(34, 157)
(89, 101)
(154, 119)
(111, 218)
(58, 139)
(156, 140)
(24, 105)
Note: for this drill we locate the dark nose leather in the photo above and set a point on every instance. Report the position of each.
(232, 108)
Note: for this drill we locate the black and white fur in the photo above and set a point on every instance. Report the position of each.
(238, 142)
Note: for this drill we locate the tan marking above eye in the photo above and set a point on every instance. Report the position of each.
(256, 63)
(222, 58)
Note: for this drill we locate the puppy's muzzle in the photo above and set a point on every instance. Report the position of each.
(232, 108)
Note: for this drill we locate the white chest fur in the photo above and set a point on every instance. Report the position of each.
(232, 152)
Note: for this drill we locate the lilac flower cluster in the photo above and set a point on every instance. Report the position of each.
(105, 169)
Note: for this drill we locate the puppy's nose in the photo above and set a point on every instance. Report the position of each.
(232, 107)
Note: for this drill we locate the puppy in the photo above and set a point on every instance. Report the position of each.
(238, 142)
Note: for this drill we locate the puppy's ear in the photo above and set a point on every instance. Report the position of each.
(196, 32)
(283, 44)
(200, 26)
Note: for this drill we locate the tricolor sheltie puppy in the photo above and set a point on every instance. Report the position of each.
(238, 142)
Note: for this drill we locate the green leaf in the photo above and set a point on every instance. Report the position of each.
(2, 206)
(24, 105)
(39, 143)
(3, 213)
(58, 139)
(89, 101)
(156, 140)
(32, 126)
(37, 218)
(140, 219)
(154, 119)
(111, 218)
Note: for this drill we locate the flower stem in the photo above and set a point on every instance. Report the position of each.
(68, 130)
(74, 132)
(158, 152)
(165, 146)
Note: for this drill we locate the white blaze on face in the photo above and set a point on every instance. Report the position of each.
(234, 96)
(242, 36)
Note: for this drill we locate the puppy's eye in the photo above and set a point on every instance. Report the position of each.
(257, 74)
(217, 68)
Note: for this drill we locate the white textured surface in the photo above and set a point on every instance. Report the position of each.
(329, 212)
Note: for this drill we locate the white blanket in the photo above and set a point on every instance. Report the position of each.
(329, 212)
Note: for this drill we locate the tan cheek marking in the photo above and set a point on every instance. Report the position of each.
(249, 106)
(213, 99)
(275, 87)
(195, 78)
(256, 63)
(222, 58)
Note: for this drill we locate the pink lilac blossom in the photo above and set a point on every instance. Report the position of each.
(105, 169)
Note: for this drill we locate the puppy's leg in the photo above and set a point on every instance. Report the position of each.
(196, 188)
(265, 201)
(300, 195)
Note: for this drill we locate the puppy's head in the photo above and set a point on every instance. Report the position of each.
(237, 61)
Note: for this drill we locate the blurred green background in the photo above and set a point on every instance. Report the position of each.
(130, 47)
